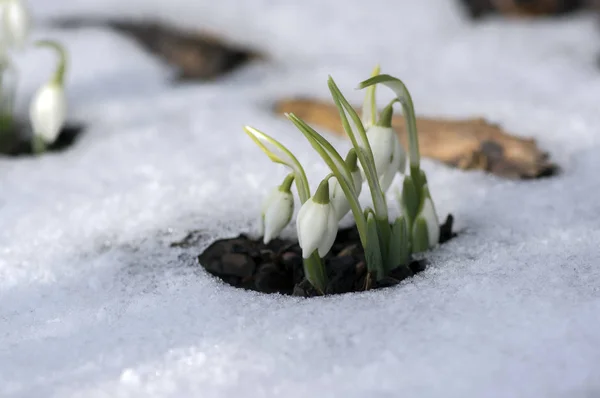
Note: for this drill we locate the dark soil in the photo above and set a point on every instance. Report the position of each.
(277, 267)
(17, 143)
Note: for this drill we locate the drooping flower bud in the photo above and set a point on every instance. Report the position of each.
(317, 224)
(277, 210)
(388, 154)
(426, 228)
(48, 109)
(397, 161)
(16, 23)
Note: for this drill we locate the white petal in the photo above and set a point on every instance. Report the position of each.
(330, 234)
(399, 155)
(48, 112)
(312, 225)
(433, 226)
(397, 165)
(381, 140)
(17, 23)
(358, 180)
(278, 215)
(338, 199)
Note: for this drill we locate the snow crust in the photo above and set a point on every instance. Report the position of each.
(94, 302)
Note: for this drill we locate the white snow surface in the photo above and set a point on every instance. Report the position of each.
(94, 302)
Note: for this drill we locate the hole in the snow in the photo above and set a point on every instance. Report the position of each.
(277, 267)
(17, 141)
(196, 55)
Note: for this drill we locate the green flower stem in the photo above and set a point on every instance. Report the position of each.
(321, 195)
(286, 185)
(59, 74)
(352, 160)
(369, 110)
(408, 109)
(363, 149)
(38, 145)
(280, 154)
(340, 170)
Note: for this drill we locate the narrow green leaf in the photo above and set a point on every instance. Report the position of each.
(319, 143)
(361, 144)
(278, 153)
(369, 110)
(372, 249)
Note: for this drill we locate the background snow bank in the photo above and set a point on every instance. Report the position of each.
(95, 303)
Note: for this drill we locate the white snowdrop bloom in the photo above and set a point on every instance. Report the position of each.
(16, 23)
(382, 144)
(277, 212)
(317, 223)
(48, 111)
(396, 165)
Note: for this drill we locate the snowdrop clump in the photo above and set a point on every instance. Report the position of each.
(48, 109)
(375, 158)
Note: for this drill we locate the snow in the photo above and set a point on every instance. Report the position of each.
(96, 304)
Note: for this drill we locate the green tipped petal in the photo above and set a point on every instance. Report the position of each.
(409, 200)
(399, 249)
(420, 235)
(373, 251)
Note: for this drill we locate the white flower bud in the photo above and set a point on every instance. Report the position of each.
(16, 23)
(277, 212)
(48, 111)
(428, 214)
(382, 144)
(317, 224)
(396, 165)
(431, 218)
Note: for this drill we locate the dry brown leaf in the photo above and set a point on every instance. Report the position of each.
(527, 9)
(466, 144)
(196, 55)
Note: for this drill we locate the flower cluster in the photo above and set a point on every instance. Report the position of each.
(376, 158)
(48, 109)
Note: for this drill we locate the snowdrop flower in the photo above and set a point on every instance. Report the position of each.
(336, 193)
(426, 221)
(16, 22)
(396, 165)
(317, 224)
(381, 140)
(48, 109)
(277, 210)
(388, 154)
